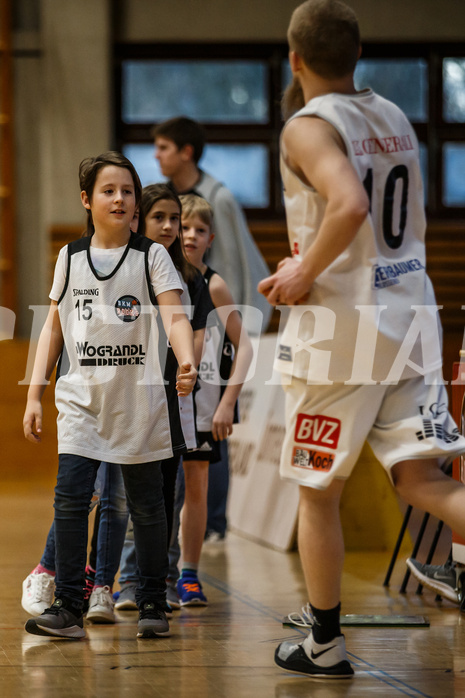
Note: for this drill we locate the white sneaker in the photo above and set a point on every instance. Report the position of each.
(38, 590)
(101, 606)
(327, 661)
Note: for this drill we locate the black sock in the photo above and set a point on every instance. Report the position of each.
(326, 626)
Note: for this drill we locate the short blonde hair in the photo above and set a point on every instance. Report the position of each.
(193, 205)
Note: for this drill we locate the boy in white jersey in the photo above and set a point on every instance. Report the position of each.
(114, 296)
(359, 290)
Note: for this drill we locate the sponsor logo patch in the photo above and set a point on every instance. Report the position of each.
(110, 355)
(388, 275)
(127, 308)
(312, 460)
(317, 430)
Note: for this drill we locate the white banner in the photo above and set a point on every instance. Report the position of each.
(261, 505)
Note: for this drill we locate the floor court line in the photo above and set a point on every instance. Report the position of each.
(379, 674)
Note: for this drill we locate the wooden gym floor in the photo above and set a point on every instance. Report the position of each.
(224, 650)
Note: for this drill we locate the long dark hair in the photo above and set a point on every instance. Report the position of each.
(88, 171)
(163, 192)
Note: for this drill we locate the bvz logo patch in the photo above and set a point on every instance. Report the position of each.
(317, 430)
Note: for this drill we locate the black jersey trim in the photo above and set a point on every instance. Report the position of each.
(224, 360)
(145, 248)
(72, 248)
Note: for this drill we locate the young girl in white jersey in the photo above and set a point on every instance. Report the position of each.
(219, 388)
(161, 213)
(114, 296)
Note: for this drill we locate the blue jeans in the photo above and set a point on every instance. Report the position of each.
(128, 573)
(174, 552)
(218, 486)
(114, 516)
(48, 556)
(73, 493)
(128, 567)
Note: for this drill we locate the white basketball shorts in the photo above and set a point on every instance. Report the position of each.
(327, 426)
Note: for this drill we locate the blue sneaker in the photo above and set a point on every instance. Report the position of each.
(190, 591)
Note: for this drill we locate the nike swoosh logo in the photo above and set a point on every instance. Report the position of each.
(315, 655)
(437, 575)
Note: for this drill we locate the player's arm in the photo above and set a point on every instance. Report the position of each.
(199, 339)
(223, 300)
(315, 152)
(49, 348)
(180, 335)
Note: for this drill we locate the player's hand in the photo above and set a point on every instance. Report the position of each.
(222, 425)
(287, 286)
(187, 375)
(32, 421)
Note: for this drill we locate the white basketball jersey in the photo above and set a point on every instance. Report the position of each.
(214, 369)
(111, 398)
(365, 304)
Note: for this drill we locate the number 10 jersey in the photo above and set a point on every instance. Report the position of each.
(376, 297)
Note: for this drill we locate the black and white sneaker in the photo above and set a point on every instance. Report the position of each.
(321, 661)
(152, 621)
(445, 580)
(57, 621)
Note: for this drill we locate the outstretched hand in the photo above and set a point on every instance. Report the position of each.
(186, 377)
(287, 286)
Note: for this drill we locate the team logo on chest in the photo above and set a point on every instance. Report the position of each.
(127, 308)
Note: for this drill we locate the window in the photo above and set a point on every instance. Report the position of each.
(454, 168)
(222, 91)
(454, 90)
(427, 81)
(404, 81)
(243, 168)
(235, 92)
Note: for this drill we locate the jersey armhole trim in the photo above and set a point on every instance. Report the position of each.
(68, 268)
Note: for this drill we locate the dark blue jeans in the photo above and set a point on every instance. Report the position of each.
(73, 493)
(114, 514)
(113, 522)
(128, 569)
(48, 556)
(218, 487)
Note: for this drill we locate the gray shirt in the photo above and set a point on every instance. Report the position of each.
(234, 254)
